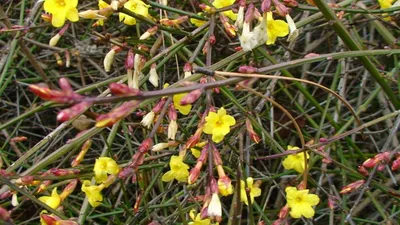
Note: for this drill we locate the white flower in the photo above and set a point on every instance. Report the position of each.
(249, 40)
(214, 208)
(160, 146)
(153, 77)
(294, 32)
(240, 18)
(14, 200)
(172, 129)
(147, 120)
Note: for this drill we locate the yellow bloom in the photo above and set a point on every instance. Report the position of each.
(225, 3)
(296, 161)
(102, 5)
(93, 193)
(300, 202)
(218, 124)
(62, 10)
(136, 6)
(184, 109)
(254, 190)
(195, 151)
(104, 166)
(385, 3)
(197, 219)
(275, 28)
(196, 22)
(225, 187)
(179, 170)
(53, 201)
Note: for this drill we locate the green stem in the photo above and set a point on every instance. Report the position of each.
(342, 32)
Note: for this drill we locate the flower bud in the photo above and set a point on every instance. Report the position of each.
(91, 14)
(46, 17)
(247, 69)
(116, 114)
(129, 60)
(158, 107)
(160, 146)
(266, 6)
(79, 158)
(191, 97)
(147, 120)
(153, 75)
(363, 170)
(352, 187)
(280, 8)
(294, 32)
(187, 69)
(396, 164)
(18, 139)
(150, 32)
(146, 145)
(229, 28)
(69, 189)
(123, 90)
(73, 111)
(54, 40)
(108, 60)
(284, 212)
(172, 129)
(214, 208)
(5, 216)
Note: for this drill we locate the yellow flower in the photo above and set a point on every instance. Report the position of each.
(53, 201)
(195, 151)
(197, 219)
(225, 186)
(300, 202)
(104, 166)
(102, 5)
(184, 109)
(62, 10)
(225, 3)
(179, 170)
(136, 6)
(385, 3)
(275, 28)
(196, 22)
(254, 190)
(218, 124)
(296, 161)
(93, 193)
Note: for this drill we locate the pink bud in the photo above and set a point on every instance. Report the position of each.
(249, 14)
(172, 114)
(126, 172)
(146, 145)
(363, 170)
(129, 61)
(158, 107)
(247, 69)
(352, 187)
(266, 5)
(73, 111)
(283, 213)
(123, 90)
(192, 97)
(396, 164)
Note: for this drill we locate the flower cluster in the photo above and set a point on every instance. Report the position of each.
(105, 170)
(296, 161)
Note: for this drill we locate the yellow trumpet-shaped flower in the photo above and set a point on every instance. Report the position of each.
(275, 28)
(197, 219)
(255, 191)
(385, 3)
(184, 109)
(93, 193)
(197, 22)
(300, 202)
(136, 6)
(53, 201)
(62, 10)
(179, 170)
(103, 167)
(225, 3)
(218, 124)
(296, 161)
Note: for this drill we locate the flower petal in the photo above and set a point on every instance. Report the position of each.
(168, 176)
(312, 199)
(229, 120)
(307, 211)
(72, 15)
(58, 19)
